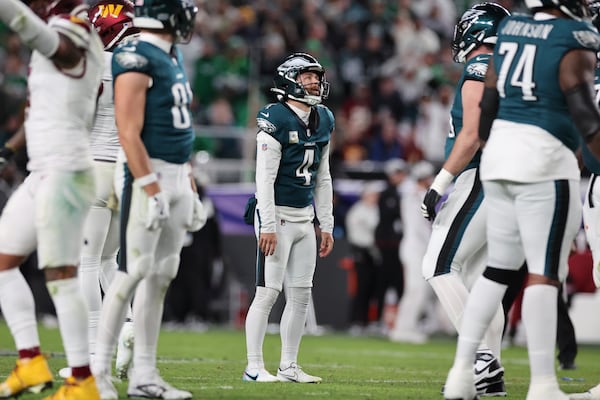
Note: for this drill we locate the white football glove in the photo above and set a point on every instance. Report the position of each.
(158, 211)
(199, 216)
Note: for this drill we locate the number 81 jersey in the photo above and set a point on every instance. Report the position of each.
(527, 59)
(301, 150)
(167, 132)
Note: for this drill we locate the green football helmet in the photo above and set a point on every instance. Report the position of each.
(286, 81)
(575, 9)
(477, 26)
(176, 16)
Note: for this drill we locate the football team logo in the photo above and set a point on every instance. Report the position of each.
(110, 10)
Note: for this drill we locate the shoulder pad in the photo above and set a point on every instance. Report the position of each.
(587, 37)
(75, 28)
(327, 115)
(126, 57)
(270, 118)
(476, 68)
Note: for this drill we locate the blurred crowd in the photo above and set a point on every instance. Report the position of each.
(388, 61)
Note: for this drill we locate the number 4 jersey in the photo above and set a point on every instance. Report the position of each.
(167, 132)
(534, 138)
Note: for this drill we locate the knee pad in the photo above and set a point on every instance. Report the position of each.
(168, 266)
(264, 298)
(298, 295)
(140, 267)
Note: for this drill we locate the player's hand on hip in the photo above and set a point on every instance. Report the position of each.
(199, 217)
(158, 211)
(429, 202)
(267, 243)
(326, 245)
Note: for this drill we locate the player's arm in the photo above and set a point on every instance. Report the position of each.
(576, 79)
(62, 43)
(268, 157)
(324, 203)
(12, 145)
(490, 100)
(465, 147)
(130, 104)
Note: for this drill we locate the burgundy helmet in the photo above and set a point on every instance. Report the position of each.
(113, 21)
(47, 8)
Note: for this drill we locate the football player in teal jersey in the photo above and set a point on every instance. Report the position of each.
(537, 104)
(158, 205)
(292, 173)
(457, 248)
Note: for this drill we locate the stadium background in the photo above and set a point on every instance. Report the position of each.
(391, 73)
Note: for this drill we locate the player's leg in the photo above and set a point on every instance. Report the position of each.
(269, 283)
(504, 251)
(134, 265)
(61, 207)
(299, 280)
(549, 218)
(17, 239)
(591, 219)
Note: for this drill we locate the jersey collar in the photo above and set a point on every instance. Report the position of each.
(162, 44)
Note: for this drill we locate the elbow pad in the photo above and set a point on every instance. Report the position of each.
(489, 109)
(31, 29)
(584, 110)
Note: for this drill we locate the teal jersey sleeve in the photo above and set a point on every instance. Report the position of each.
(474, 70)
(301, 150)
(527, 61)
(167, 132)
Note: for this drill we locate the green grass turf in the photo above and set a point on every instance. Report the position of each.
(210, 365)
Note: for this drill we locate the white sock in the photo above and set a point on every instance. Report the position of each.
(452, 294)
(481, 307)
(72, 315)
(539, 317)
(112, 317)
(256, 324)
(89, 280)
(292, 324)
(493, 335)
(18, 308)
(148, 307)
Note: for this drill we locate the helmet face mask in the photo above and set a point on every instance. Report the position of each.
(477, 26)
(575, 9)
(175, 16)
(113, 20)
(288, 82)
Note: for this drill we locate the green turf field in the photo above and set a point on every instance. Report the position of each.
(210, 365)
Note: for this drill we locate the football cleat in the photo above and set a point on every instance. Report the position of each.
(105, 386)
(74, 389)
(489, 375)
(592, 394)
(124, 350)
(153, 386)
(258, 375)
(294, 373)
(460, 385)
(30, 374)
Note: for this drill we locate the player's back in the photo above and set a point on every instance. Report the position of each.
(167, 132)
(62, 104)
(527, 61)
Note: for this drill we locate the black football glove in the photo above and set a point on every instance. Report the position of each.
(429, 202)
(6, 155)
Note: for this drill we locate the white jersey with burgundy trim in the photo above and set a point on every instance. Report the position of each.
(62, 105)
(104, 140)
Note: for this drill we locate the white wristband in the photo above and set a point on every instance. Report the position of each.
(147, 179)
(442, 180)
